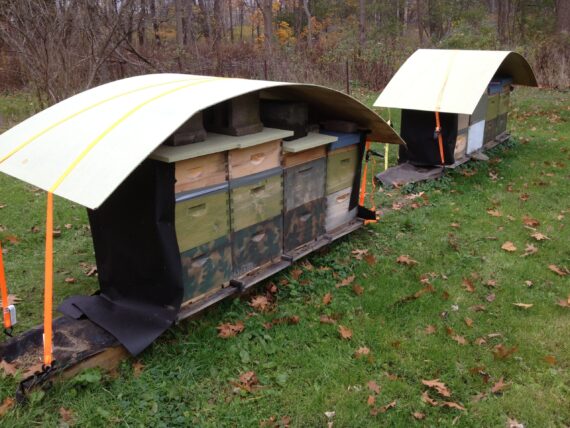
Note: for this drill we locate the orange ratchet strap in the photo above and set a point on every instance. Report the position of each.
(4, 292)
(439, 137)
(48, 290)
(364, 180)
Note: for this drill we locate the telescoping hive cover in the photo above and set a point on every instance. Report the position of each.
(84, 147)
(92, 149)
(451, 81)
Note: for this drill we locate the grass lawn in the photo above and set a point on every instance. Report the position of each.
(448, 314)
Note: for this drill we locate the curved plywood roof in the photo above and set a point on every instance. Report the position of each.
(451, 81)
(84, 147)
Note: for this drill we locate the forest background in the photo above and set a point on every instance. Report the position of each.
(56, 48)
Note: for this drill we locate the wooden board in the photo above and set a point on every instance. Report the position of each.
(304, 183)
(217, 143)
(257, 245)
(206, 268)
(492, 107)
(304, 224)
(202, 219)
(293, 159)
(504, 102)
(200, 172)
(337, 212)
(254, 159)
(341, 168)
(312, 140)
(256, 202)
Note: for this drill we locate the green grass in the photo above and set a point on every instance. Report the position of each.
(189, 376)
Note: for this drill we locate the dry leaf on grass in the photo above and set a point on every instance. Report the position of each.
(480, 341)
(509, 246)
(530, 222)
(501, 352)
(499, 386)
(247, 381)
(406, 260)
(346, 281)
(383, 409)
(550, 359)
(523, 305)
(513, 423)
(565, 303)
(468, 322)
(468, 285)
(370, 259)
(539, 236)
(361, 352)
(558, 270)
(427, 399)
(260, 303)
(8, 368)
(12, 299)
(491, 297)
(345, 333)
(373, 386)
(529, 250)
(67, 416)
(138, 368)
(325, 319)
(419, 416)
(327, 299)
(227, 330)
(6, 405)
(371, 400)
(478, 308)
(438, 386)
(430, 329)
(459, 339)
(452, 405)
(357, 289)
(296, 273)
(494, 213)
(359, 254)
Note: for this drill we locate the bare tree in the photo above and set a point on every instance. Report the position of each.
(266, 7)
(362, 22)
(309, 24)
(563, 17)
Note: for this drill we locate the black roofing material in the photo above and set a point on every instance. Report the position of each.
(417, 130)
(138, 260)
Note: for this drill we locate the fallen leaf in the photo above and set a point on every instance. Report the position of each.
(468, 322)
(359, 254)
(419, 416)
(494, 213)
(6, 405)
(550, 359)
(357, 289)
(509, 246)
(490, 298)
(528, 283)
(499, 386)
(478, 397)
(67, 416)
(452, 405)
(501, 352)
(248, 381)
(430, 329)
(529, 250)
(427, 399)
(296, 273)
(138, 368)
(370, 259)
(9, 369)
(513, 423)
(34, 229)
(459, 339)
(12, 239)
(325, 319)
(558, 271)
(477, 308)
(327, 299)
(565, 303)
(373, 386)
(468, 285)
(406, 260)
(523, 305)
(68, 226)
(524, 197)
(362, 351)
(371, 400)
(455, 225)
(539, 236)
(438, 386)
(56, 233)
(491, 283)
(530, 222)
(480, 341)
(387, 407)
(70, 280)
(345, 333)
(226, 330)
(346, 281)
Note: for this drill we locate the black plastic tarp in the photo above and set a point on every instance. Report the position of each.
(138, 260)
(422, 147)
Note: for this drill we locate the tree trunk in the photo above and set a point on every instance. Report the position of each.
(179, 12)
(266, 7)
(362, 22)
(241, 12)
(503, 11)
(231, 13)
(218, 23)
(141, 27)
(155, 25)
(419, 12)
(563, 17)
(206, 24)
(309, 24)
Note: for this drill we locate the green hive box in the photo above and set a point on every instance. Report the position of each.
(341, 168)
